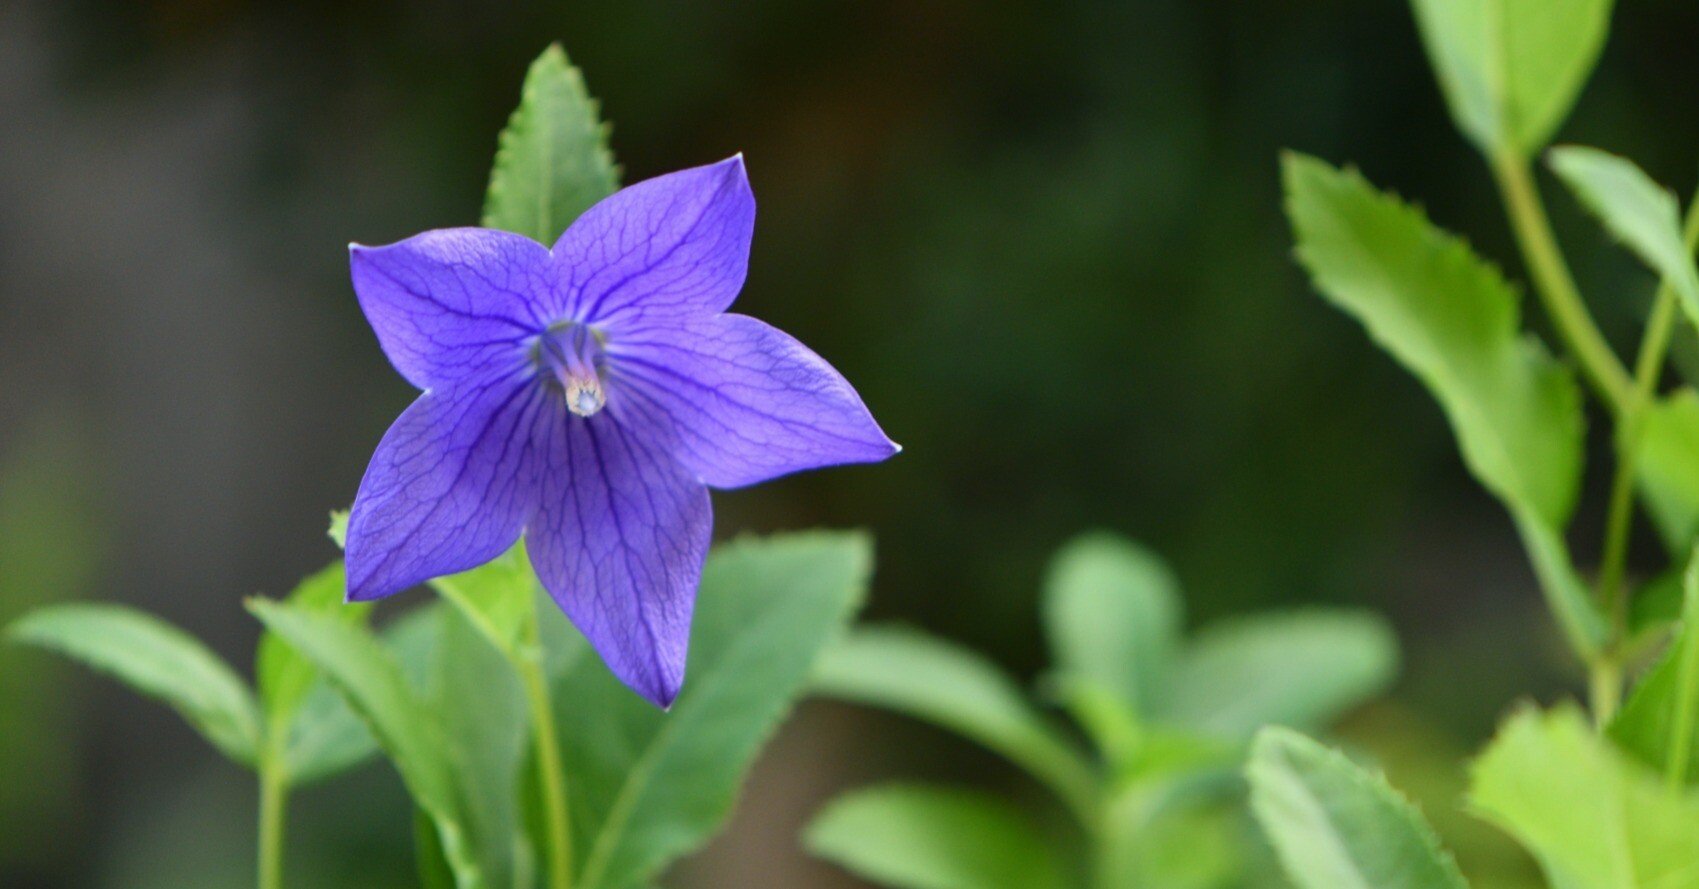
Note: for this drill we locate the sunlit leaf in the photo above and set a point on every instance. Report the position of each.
(1593, 818)
(1453, 321)
(1337, 826)
(1511, 69)
(553, 160)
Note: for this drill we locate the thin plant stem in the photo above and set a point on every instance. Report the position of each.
(1681, 733)
(274, 797)
(1648, 369)
(1555, 286)
(1604, 690)
(550, 771)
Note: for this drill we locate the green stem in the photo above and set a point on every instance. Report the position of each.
(1681, 732)
(1605, 686)
(1554, 284)
(274, 795)
(550, 771)
(1648, 368)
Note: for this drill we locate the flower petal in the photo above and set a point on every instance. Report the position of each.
(675, 246)
(618, 541)
(451, 485)
(746, 401)
(442, 302)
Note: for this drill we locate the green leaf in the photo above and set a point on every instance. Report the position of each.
(948, 685)
(1336, 826)
(1453, 321)
(497, 598)
(371, 679)
(1668, 468)
(284, 677)
(1300, 670)
(327, 736)
(477, 695)
(553, 160)
(917, 837)
(156, 659)
(1657, 724)
(1593, 818)
(1641, 214)
(1112, 610)
(1511, 69)
(647, 786)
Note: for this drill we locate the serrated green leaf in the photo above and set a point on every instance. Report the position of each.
(1658, 722)
(1668, 467)
(945, 684)
(1300, 670)
(1511, 69)
(1592, 817)
(1453, 321)
(1112, 612)
(647, 786)
(410, 732)
(1640, 213)
(918, 837)
(1337, 826)
(552, 161)
(156, 659)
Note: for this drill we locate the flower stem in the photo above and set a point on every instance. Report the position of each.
(1605, 690)
(274, 796)
(1554, 284)
(1648, 368)
(550, 771)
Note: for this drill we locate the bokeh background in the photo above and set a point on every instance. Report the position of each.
(1043, 238)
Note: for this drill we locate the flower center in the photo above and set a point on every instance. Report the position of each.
(570, 355)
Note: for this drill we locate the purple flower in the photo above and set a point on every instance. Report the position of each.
(587, 397)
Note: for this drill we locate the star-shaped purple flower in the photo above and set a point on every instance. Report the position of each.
(587, 397)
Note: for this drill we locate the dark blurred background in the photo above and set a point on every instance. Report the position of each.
(1044, 240)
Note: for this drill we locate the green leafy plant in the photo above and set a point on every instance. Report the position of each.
(1600, 802)
(527, 761)
(1166, 719)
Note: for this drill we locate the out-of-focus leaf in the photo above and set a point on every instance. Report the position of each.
(1593, 818)
(1300, 670)
(647, 786)
(948, 685)
(1641, 214)
(1112, 611)
(917, 837)
(371, 679)
(477, 695)
(497, 598)
(1337, 826)
(1657, 724)
(553, 160)
(327, 737)
(1511, 69)
(1668, 468)
(156, 659)
(1453, 321)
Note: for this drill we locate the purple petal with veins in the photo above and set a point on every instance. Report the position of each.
(746, 400)
(584, 397)
(676, 246)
